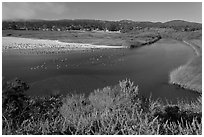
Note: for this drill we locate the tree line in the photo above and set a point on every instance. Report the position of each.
(89, 25)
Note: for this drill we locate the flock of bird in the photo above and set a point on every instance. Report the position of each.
(64, 63)
(40, 49)
(25, 46)
(28, 46)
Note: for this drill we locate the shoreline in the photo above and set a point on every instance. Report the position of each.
(189, 75)
(194, 47)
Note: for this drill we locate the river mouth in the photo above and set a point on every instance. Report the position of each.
(83, 71)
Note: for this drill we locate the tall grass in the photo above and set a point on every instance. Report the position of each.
(108, 111)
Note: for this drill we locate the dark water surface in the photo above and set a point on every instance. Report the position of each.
(84, 71)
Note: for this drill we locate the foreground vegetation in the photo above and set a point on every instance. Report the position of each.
(107, 111)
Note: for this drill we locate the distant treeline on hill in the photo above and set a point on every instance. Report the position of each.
(89, 25)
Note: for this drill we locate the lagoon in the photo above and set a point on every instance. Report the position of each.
(81, 72)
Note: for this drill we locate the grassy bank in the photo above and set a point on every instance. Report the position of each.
(108, 111)
(189, 76)
(130, 39)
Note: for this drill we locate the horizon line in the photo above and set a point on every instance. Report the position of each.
(99, 20)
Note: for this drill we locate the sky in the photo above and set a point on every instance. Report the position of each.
(136, 11)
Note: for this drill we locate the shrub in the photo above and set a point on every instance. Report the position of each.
(109, 111)
(23, 114)
(14, 100)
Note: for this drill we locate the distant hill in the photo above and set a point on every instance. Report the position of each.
(180, 23)
(185, 25)
(87, 24)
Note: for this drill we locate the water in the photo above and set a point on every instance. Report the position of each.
(84, 71)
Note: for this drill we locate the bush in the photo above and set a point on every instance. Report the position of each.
(19, 109)
(14, 100)
(109, 111)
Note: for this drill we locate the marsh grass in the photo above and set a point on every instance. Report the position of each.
(189, 76)
(109, 111)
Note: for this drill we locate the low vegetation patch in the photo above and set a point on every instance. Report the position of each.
(109, 111)
(139, 38)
